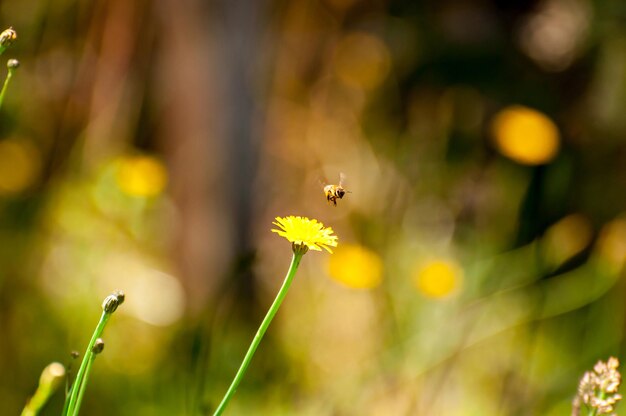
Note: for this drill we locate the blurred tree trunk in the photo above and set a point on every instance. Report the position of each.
(240, 53)
(208, 82)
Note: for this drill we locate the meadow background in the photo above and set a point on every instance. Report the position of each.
(147, 146)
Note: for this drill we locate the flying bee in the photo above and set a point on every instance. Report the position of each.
(333, 192)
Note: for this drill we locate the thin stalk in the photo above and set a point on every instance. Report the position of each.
(594, 410)
(295, 262)
(83, 372)
(51, 378)
(35, 404)
(5, 85)
(83, 385)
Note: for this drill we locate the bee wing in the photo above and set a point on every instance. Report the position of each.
(322, 181)
(342, 179)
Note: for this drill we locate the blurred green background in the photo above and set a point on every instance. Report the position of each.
(147, 146)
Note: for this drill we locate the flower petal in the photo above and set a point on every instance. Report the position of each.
(304, 231)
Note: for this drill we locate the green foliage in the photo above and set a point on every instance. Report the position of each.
(144, 145)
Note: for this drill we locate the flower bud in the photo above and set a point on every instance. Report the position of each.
(52, 375)
(110, 304)
(50, 379)
(98, 346)
(7, 37)
(120, 296)
(13, 64)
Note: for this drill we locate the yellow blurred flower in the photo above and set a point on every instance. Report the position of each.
(438, 278)
(356, 267)
(141, 175)
(303, 232)
(525, 135)
(20, 165)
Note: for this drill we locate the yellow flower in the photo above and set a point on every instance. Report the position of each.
(305, 234)
(141, 175)
(356, 267)
(525, 135)
(438, 278)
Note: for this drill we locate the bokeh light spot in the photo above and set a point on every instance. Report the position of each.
(142, 354)
(554, 34)
(355, 266)
(525, 135)
(141, 175)
(362, 60)
(157, 298)
(612, 242)
(438, 278)
(566, 238)
(20, 165)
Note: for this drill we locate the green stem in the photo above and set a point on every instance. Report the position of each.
(83, 384)
(38, 401)
(295, 262)
(594, 411)
(72, 405)
(6, 84)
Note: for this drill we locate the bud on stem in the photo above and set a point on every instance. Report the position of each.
(7, 37)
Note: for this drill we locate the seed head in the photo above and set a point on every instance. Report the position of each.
(597, 389)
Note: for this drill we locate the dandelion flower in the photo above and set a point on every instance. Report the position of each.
(141, 176)
(305, 234)
(356, 266)
(525, 135)
(438, 278)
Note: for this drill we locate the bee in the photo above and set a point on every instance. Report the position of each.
(333, 192)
